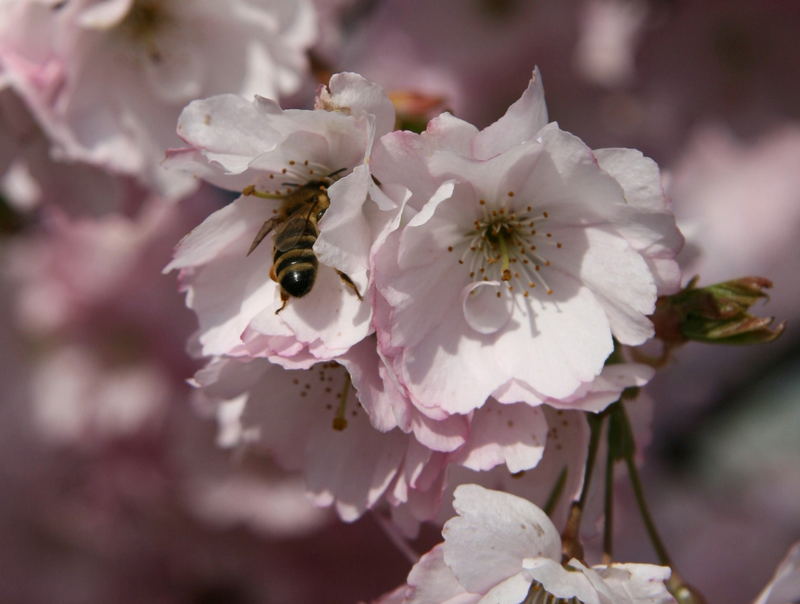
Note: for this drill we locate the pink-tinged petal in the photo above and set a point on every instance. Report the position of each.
(322, 429)
(285, 164)
(352, 467)
(398, 159)
(228, 230)
(513, 589)
(445, 435)
(560, 582)
(491, 179)
(492, 535)
(634, 583)
(564, 453)
(573, 187)
(424, 502)
(606, 388)
(195, 163)
(227, 295)
(230, 130)
(376, 395)
(563, 341)
(329, 320)
(228, 378)
(513, 435)
(521, 122)
(432, 582)
(638, 175)
(485, 309)
(352, 93)
(450, 133)
(346, 236)
(464, 376)
(105, 15)
(640, 179)
(615, 273)
(178, 75)
(416, 461)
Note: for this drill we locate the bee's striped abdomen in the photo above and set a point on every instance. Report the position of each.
(296, 268)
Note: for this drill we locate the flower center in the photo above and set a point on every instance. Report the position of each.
(329, 385)
(510, 246)
(278, 185)
(144, 22)
(538, 595)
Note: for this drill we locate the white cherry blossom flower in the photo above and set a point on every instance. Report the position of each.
(107, 79)
(316, 420)
(268, 153)
(522, 253)
(502, 549)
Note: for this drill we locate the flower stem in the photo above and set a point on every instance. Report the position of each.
(555, 494)
(570, 539)
(608, 505)
(638, 491)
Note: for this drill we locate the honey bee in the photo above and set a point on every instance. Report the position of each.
(294, 264)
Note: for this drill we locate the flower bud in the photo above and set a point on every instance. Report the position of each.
(716, 314)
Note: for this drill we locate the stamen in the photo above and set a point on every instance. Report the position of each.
(503, 237)
(340, 421)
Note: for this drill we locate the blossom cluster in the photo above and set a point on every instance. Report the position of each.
(380, 306)
(464, 282)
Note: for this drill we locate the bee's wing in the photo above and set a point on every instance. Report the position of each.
(263, 232)
(296, 227)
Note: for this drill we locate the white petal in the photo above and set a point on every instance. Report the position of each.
(433, 582)
(562, 583)
(633, 583)
(492, 535)
(511, 591)
(513, 435)
(484, 310)
(345, 236)
(521, 122)
(617, 275)
(229, 129)
(354, 92)
(234, 225)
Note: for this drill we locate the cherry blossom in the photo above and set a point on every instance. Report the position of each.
(306, 419)
(503, 549)
(521, 254)
(265, 152)
(107, 80)
(343, 409)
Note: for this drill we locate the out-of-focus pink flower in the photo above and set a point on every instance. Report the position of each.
(260, 149)
(106, 80)
(739, 205)
(30, 178)
(521, 254)
(608, 39)
(108, 330)
(501, 548)
(452, 49)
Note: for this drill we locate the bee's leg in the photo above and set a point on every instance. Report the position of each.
(349, 282)
(263, 232)
(284, 299)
